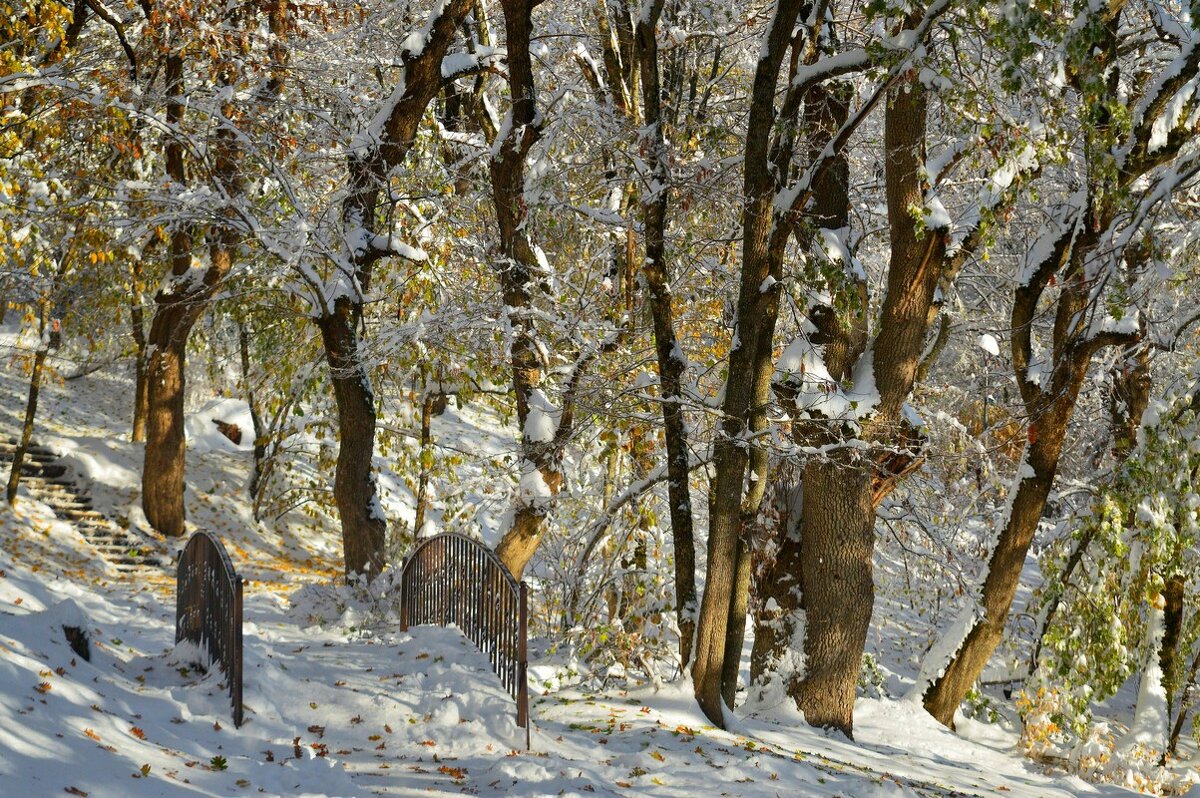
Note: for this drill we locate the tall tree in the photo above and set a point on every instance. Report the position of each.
(374, 156)
(1134, 158)
(669, 353)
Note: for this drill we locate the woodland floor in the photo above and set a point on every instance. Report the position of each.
(338, 701)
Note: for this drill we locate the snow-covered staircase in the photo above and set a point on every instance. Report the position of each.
(46, 481)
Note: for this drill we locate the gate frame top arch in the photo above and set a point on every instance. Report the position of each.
(452, 578)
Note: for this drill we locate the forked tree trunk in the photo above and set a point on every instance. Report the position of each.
(363, 524)
(776, 624)
(755, 305)
(1069, 261)
(178, 306)
(174, 315)
(541, 476)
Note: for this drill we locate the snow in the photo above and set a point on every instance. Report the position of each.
(817, 394)
(865, 394)
(988, 343)
(1151, 716)
(340, 702)
(937, 217)
(532, 490)
(541, 422)
(941, 654)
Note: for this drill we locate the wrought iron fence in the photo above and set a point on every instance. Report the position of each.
(208, 609)
(452, 579)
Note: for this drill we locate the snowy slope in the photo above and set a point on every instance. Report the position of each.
(340, 703)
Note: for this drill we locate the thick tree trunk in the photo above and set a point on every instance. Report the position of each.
(837, 549)
(179, 304)
(363, 526)
(841, 491)
(174, 316)
(163, 464)
(777, 649)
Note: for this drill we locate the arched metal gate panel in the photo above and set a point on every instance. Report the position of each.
(453, 579)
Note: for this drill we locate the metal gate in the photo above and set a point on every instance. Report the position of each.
(208, 609)
(453, 579)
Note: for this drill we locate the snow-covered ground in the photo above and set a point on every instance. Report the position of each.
(339, 702)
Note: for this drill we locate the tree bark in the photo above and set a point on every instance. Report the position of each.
(363, 526)
(31, 403)
(670, 357)
(730, 458)
(425, 453)
(836, 560)
(137, 320)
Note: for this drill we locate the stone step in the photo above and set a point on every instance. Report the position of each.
(31, 455)
(54, 498)
(46, 481)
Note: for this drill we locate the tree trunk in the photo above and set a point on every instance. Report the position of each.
(163, 464)
(1185, 704)
(670, 357)
(179, 304)
(777, 650)
(758, 464)
(35, 385)
(425, 454)
(363, 526)
(1047, 432)
(836, 560)
(776, 654)
(754, 306)
(260, 432)
(539, 458)
(137, 320)
(1131, 384)
(1168, 657)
